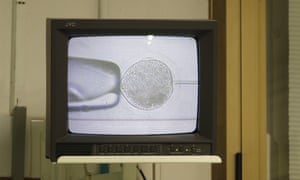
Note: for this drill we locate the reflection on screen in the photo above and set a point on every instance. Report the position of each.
(132, 85)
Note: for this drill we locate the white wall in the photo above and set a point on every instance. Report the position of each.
(155, 9)
(5, 124)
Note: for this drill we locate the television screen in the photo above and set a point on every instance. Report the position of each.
(132, 85)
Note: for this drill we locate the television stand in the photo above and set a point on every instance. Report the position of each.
(140, 159)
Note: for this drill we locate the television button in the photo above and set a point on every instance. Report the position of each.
(111, 149)
(119, 148)
(136, 149)
(187, 149)
(196, 150)
(172, 149)
(144, 148)
(100, 149)
(127, 148)
(181, 149)
(154, 149)
(175, 149)
(103, 149)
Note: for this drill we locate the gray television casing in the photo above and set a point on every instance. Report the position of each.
(61, 142)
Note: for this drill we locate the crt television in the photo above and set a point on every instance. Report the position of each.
(130, 87)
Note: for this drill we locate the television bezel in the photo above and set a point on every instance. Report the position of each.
(59, 140)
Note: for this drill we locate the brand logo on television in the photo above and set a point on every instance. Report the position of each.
(70, 24)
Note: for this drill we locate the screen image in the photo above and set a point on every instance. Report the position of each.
(132, 85)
